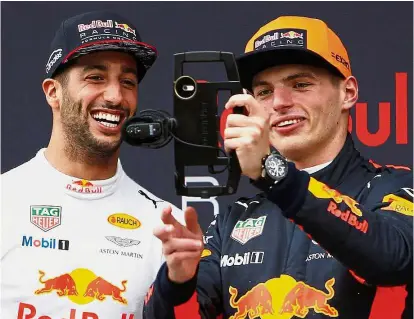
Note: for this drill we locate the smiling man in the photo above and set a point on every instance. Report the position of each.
(330, 233)
(76, 230)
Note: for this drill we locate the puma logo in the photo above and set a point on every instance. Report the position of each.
(147, 197)
(245, 205)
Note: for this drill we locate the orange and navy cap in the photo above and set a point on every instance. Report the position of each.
(293, 40)
(98, 31)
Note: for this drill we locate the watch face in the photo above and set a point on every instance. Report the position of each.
(276, 167)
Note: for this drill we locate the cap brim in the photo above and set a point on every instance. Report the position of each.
(144, 53)
(251, 63)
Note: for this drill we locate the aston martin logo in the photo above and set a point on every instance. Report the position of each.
(123, 242)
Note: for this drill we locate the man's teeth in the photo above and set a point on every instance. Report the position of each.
(107, 119)
(109, 124)
(289, 122)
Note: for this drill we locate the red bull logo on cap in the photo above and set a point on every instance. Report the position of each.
(94, 25)
(125, 27)
(291, 35)
(281, 38)
(82, 286)
(282, 298)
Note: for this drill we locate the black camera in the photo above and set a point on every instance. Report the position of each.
(194, 125)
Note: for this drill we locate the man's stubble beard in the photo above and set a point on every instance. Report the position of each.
(80, 144)
(310, 142)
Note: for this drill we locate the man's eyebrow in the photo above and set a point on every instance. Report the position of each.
(101, 67)
(299, 75)
(258, 83)
(91, 67)
(288, 78)
(128, 69)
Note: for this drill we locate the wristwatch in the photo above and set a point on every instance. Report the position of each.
(274, 169)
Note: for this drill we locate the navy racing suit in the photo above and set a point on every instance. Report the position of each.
(335, 243)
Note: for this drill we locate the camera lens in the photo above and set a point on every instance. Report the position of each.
(185, 87)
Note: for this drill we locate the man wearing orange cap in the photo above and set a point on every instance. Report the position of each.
(329, 235)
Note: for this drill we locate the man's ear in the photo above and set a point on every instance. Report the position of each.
(53, 92)
(350, 88)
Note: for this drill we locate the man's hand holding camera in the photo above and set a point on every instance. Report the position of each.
(248, 135)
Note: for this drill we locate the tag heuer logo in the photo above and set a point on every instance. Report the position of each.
(45, 217)
(243, 231)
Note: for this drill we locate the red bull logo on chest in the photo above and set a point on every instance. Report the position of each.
(82, 286)
(283, 298)
(303, 297)
(255, 303)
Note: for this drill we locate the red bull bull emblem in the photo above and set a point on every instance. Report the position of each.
(256, 302)
(125, 27)
(82, 286)
(84, 186)
(304, 297)
(99, 288)
(291, 35)
(282, 298)
(64, 285)
(320, 190)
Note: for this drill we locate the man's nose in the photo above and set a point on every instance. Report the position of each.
(282, 98)
(113, 93)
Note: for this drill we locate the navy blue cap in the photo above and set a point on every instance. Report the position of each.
(98, 31)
